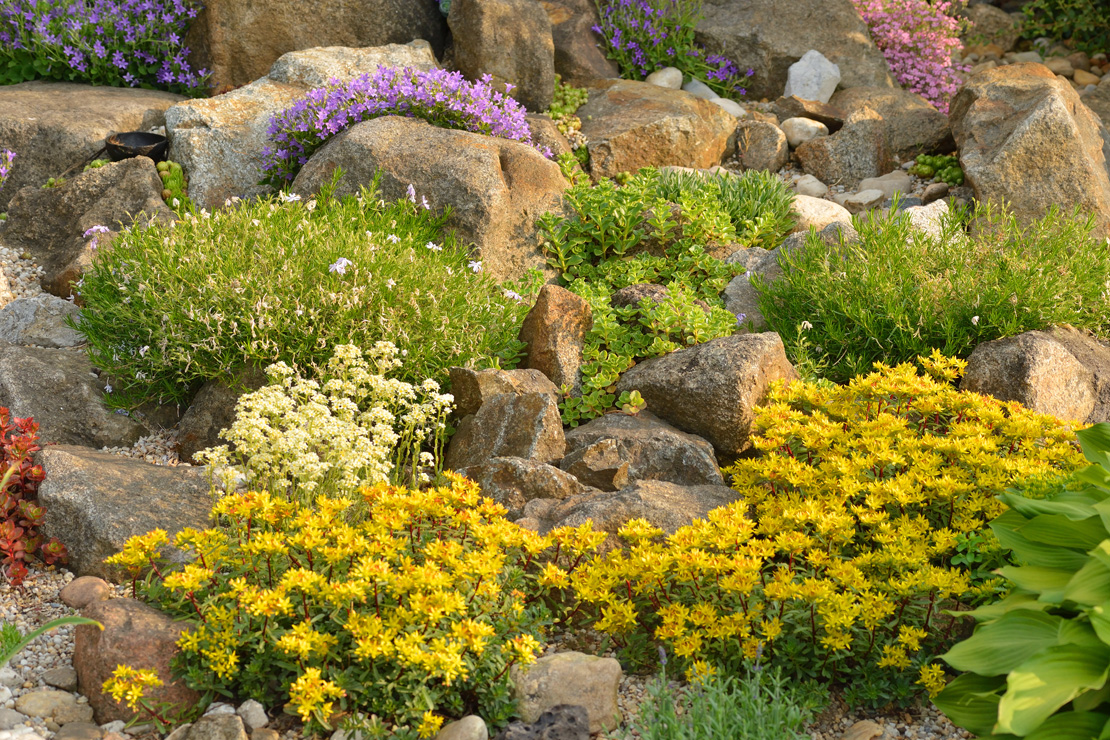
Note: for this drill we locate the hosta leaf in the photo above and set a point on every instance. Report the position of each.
(1071, 726)
(1012, 602)
(1048, 681)
(1048, 582)
(1072, 507)
(1006, 529)
(1090, 585)
(971, 701)
(999, 647)
(1095, 441)
(1062, 531)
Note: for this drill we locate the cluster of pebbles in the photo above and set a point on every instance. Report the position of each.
(19, 276)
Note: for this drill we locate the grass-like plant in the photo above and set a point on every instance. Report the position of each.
(757, 705)
(172, 306)
(655, 229)
(899, 293)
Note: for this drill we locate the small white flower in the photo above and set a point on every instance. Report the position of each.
(143, 350)
(424, 202)
(434, 247)
(975, 320)
(806, 325)
(393, 238)
(310, 205)
(391, 282)
(340, 265)
(107, 387)
(514, 295)
(475, 265)
(288, 197)
(299, 312)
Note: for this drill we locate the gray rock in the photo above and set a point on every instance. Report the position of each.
(315, 67)
(239, 42)
(928, 220)
(991, 25)
(811, 186)
(710, 389)
(526, 425)
(555, 334)
(813, 77)
(495, 188)
(800, 130)
(1025, 138)
(889, 184)
(79, 731)
(600, 465)
(546, 133)
(816, 213)
(40, 320)
(910, 123)
(934, 191)
(759, 34)
(569, 678)
(857, 151)
(217, 727)
(50, 223)
(513, 482)
(47, 704)
(579, 58)
(699, 89)
(85, 590)
(472, 388)
(1035, 370)
(668, 77)
(742, 298)
(631, 125)
(729, 106)
(795, 107)
(470, 727)
(253, 714)
(55, 126)
(63, 677)
(1094, 355)
(653, 449)
(57, 387)
(213, 410)
(96, 501)
(761, 146)
(9, 718)
(864, 200)
(511, 41)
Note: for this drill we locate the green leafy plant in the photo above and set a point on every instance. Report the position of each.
(1038, 662)
(169, 307)
(657, 229)
(96, 164)
(174, 191)
(1084, 23)
(759, 705)
(942, 168)
(53, 182)
(899, 293)
(566, 102)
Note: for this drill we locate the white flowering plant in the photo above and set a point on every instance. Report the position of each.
(354, 427)
(287, 279)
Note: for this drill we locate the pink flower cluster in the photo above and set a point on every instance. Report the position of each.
(918, 39)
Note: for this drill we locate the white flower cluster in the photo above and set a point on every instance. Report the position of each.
(357, 427)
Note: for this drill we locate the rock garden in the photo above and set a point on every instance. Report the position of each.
(554, 369)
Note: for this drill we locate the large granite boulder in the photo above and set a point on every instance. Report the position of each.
(710, 389)
(219, 141)
(50, 223)
(555, 334)
(569, 678)
(630, 125)
(854, 153)
(579, 57)
(96, 501)
(239, 41)
(525, 425)
(472, 388)
(55, 126)
(910, 123)
(58, 388)
(496, 188)
(510, 40)
(767, 37)
(514, 481)
(40, 320)
(1026, 138)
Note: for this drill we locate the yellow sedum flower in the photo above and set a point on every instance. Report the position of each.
(129, 684)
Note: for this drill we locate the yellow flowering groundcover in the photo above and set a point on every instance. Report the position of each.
(837, 563)
(411, 612)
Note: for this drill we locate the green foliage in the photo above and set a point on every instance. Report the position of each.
(1037, 663)
(174, 188)
(1086, 23)
(96, 164)
(899, 293)
(761, 705)
(53, 182)
(567, 100)
(169, 307)
(942, 168)
(11, 641)
(654, 229)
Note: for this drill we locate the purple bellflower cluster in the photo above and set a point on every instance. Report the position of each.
(136, 43)
(6, 159)
(439, 97)
(642, 36)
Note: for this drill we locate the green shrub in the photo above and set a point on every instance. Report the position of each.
(1038, 663)
(1086, 23)
(655, 228)
(942, 168)
(169, 307)
(898, 293)
(761, 705)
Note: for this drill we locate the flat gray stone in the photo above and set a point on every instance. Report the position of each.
(40, 320)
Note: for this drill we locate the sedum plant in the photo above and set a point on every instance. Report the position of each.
(1038, 663)
(899, 293)
(839, 560)
(285, 280)
(397, 614)
(655, 229)
(353, 427)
